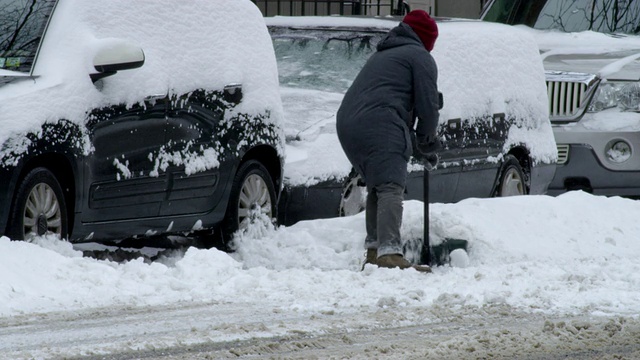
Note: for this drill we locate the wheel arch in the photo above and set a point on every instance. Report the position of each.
(269, 158)
(57, 146)
(61, 167)
(522, 155)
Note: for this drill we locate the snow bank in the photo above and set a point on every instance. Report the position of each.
(574, 254)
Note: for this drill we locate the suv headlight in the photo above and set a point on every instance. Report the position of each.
(624, 95)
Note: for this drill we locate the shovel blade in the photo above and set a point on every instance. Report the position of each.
(440, 254)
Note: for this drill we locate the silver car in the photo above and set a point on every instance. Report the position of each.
(590, 50)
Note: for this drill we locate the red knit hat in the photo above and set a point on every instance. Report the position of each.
(424, 26)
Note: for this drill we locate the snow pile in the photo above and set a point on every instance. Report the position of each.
(574, 254)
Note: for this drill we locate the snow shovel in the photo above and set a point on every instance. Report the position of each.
(438, 254)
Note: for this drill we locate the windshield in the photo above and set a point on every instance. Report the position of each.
(606, 16)
(22, 23)
(323, 60)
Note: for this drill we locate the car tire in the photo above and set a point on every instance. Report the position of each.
(252, 187)
(512, 181)
(353, 199)
(39, 207)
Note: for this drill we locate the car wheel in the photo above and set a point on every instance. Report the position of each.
(354, 196)
(39, 207)
(512, 180)
(252, 191)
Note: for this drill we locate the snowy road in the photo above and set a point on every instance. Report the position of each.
(231, 330)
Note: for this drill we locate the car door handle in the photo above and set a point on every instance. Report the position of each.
(233, 93)
(155, 97)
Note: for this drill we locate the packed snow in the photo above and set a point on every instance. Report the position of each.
(572, 254)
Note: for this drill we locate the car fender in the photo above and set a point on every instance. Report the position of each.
(58, 146)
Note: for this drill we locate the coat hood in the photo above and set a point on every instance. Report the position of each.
(399, 36)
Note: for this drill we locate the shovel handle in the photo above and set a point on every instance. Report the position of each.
(425, 254)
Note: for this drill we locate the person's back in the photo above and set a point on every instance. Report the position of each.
(384, 81)
(397, 83)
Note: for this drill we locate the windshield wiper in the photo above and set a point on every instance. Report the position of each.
(9, 76)
(4, 72)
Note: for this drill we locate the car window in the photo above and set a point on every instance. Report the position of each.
(322, 60)
(606, 16)
(500, 10)
(22, 23)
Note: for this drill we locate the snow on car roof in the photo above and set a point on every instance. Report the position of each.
(380, 22)
(589, 51)
(596, 41)
(386, 22)
(186, 47)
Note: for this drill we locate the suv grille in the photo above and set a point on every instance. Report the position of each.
(563, 153)
(565, 98)
(569, 94)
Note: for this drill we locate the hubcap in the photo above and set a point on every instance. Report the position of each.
(254, 196)
(42, 212)
(512, 184)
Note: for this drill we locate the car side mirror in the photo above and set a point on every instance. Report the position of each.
(440, 101)
(114, 57)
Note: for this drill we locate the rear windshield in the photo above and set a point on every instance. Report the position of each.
(325, 60)
(606, 16)
(22, 24)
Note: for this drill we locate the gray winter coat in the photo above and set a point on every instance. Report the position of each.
(398, 83)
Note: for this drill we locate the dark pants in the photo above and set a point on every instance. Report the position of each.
(384, 218)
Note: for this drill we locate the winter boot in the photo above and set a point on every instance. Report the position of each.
(397, 261)
(371, 257)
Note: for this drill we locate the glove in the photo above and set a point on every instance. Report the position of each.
(430, 161)
(425, 146)
(426, 151)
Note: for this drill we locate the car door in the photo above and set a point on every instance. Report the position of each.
(443, 180)
(193, 153)
(482, 142)
(120, 181)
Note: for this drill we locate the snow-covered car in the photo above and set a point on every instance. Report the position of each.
(496, 139)
(127, 119)
(591, 52)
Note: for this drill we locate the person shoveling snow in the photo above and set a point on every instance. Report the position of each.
(374, 124)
